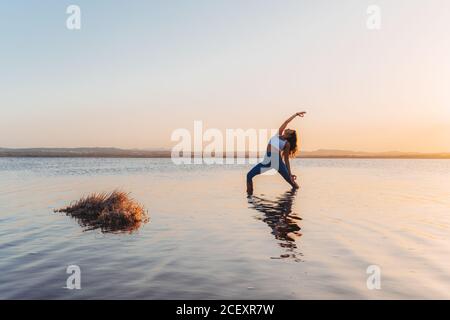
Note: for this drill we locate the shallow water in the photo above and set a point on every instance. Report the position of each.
(206, 240)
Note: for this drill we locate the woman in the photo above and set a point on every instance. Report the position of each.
(284, 142)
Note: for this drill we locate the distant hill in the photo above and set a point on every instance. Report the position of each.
(83, 152)
(380, 155)
(166, 153)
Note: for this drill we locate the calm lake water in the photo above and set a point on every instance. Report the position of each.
(206, 240)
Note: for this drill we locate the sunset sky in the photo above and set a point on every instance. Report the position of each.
(137, 70)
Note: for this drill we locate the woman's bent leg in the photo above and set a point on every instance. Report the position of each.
(282, 169)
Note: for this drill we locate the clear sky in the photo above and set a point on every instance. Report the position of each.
(139, 69)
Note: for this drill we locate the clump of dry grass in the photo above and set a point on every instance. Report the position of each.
(110, 212)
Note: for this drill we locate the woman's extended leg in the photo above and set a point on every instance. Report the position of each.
(252, 173)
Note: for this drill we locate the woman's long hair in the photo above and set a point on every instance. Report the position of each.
(293, 142)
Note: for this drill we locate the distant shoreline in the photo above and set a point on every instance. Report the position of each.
(124, 153)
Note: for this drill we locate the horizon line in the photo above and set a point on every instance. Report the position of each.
(113, 152)
(165, 149)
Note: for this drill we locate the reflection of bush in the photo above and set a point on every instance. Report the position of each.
(110, 212)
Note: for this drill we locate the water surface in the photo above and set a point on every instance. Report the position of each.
(206, 240)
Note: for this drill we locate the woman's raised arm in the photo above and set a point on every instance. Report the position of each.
(284, 125)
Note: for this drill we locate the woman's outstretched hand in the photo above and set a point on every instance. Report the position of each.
(284, 125)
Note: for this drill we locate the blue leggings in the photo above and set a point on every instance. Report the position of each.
(271, 161)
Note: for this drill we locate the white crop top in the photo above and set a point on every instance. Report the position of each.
(277, 143)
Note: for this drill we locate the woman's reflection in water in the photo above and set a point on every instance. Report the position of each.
(279, 217)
